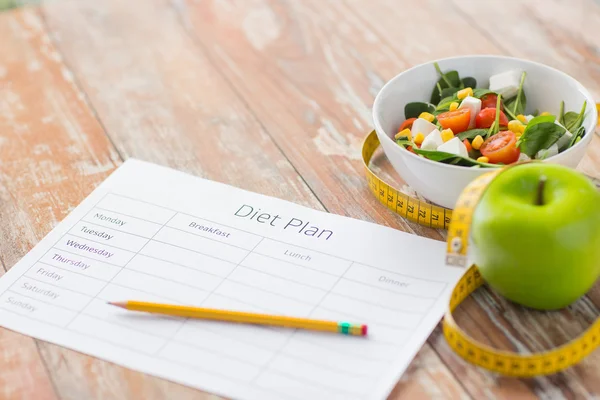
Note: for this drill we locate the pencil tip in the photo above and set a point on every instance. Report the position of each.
(121, 304)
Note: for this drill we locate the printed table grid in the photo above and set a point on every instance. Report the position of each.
(292, 335)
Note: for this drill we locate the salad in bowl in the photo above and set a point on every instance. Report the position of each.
(442, 124)
(482, 127)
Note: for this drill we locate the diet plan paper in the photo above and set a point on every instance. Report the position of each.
(150, 233)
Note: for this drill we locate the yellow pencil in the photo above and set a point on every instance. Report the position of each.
(244, 317)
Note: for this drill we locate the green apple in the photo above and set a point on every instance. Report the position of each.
(536, 235)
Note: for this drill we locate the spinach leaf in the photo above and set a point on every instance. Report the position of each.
(449, 92)
(414, 109)
(448, 79)
(449, 158)
(444, 104)
(539, 119)
(572, 120)
(404, 142)
(517, 104)
(472, 133)
(496, 125)
(578, 134)
(469, 82)
(479, 93)
(561, 113)
(540, 135)
(508, 112)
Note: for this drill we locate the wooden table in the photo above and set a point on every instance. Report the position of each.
(270, 96)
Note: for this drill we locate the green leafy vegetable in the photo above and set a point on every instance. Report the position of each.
(403, 140)
(472, 133)
(448, 79)
(449, 91)
(577, 135)
(540, 119)
(469, 82)
(572, 120)
(414, 109)
(479, 93)
(449, 158)
(517, 104)
(539, 136)
(561, 113)
(444, 104)
(496, 125)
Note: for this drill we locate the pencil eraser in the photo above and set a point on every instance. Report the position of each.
(364, 330)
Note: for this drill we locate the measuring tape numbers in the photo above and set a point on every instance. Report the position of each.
(458, 224)
(408, 207)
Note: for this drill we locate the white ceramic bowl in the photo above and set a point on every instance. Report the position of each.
(544, 86)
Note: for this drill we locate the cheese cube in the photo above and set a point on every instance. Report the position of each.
(454, 146)
(506, 83)
(423, 126)
(432, 141)
(529, 117)
(524, 157)
(547, 153)
(474, 105)
(564, 139)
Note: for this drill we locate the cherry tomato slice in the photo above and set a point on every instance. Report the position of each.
(487, 116)
(489, 101)
(501, 148)
(407, 124)
(468, 145)
(457, 120)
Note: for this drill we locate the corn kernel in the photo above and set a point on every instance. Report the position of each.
(419, 137)
(453, 106)
(522, 118)
(426, 116)
(521, 129)
(447, 134)
(544, 114)
(483, 159)
(514, 125)
(464, 93)
(477, 142)
(405, 132)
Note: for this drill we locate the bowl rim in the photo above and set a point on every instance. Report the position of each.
(378, 100)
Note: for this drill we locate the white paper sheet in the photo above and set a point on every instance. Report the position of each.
(155, 234)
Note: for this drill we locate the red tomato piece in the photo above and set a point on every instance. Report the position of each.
(489, 101)
(468, 145)
(407, 124)
(501, 148)
(487, 116)
(457, 120)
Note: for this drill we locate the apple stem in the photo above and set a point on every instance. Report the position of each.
(540, 191)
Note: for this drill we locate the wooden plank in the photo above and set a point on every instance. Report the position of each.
(53, 152)
(146, 47)
(31, 88)
(497, 330)
(301, 52)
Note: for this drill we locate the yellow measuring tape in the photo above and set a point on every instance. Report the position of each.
(458, 223)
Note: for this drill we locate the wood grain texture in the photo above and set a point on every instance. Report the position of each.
(271, 96)
(53, 152)
(141, 58)
(306, 52)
